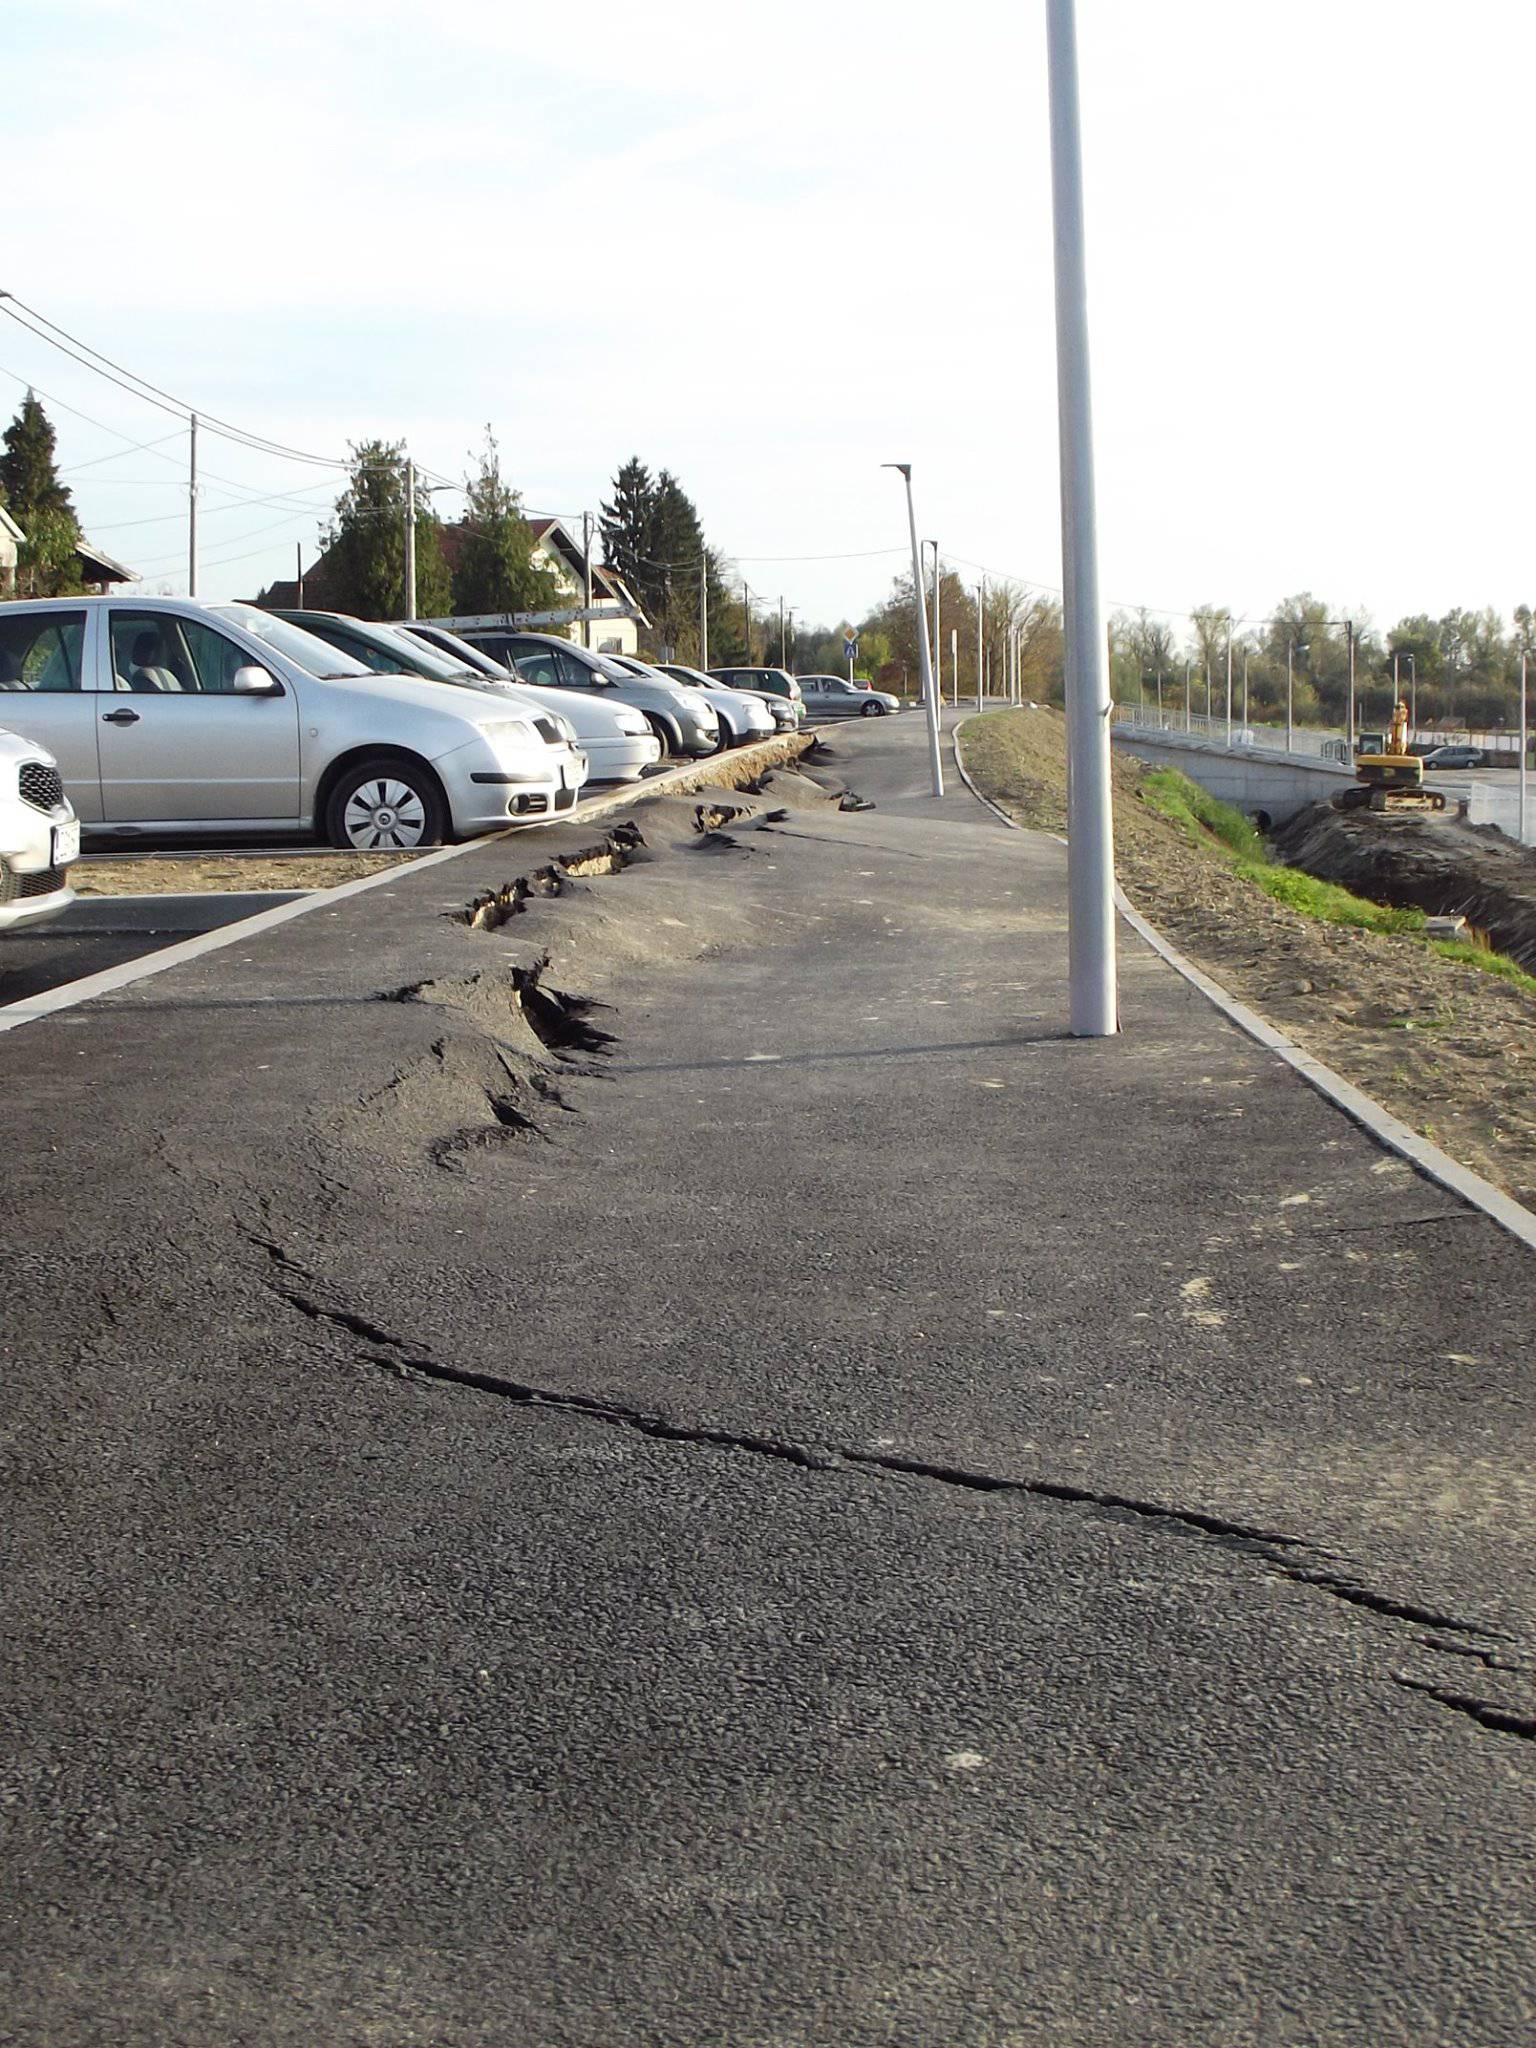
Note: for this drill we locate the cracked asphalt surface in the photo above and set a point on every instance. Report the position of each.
(800, 1505)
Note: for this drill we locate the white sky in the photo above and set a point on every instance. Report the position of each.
(774, 248)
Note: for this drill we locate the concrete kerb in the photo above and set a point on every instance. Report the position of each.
(729, 770)
(1389, 1131)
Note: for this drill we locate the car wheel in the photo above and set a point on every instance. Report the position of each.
(671, 739)
(871, 710)
(727, 739)
(386, 804)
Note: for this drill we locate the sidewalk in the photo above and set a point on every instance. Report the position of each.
(840, 1516)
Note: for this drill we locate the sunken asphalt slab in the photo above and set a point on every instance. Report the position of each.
(836, 1515)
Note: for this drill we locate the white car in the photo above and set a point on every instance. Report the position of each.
(39, 834)
(168, 716)
(616, 738)
(744, 719)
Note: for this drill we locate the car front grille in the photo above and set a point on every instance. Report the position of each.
(40, 786)
(16, 888)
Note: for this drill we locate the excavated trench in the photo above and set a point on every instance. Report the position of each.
(1444, 868)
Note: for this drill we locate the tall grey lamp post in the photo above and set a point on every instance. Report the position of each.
(1090, 827)
(924, 659)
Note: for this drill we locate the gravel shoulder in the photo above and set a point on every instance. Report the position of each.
(1447, 1048)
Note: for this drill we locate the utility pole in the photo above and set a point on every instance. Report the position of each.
(586, 578)
(1245, 689)
(925, 669)
(790, 664)
(192, 513)
(937, 643)
(410, 539)
(746, 622)
(954, 665)
(704, 613)
(298, 571)
(1349, 641)
(1229, 679)
(981, 641)
(1413, 703)
(781, 630)
(1159, 699)
(1188, 671)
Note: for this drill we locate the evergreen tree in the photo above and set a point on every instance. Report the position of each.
(365, 558)
(626, 524)
(40, 504)
(495, 571)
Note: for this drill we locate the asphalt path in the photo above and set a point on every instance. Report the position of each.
(108, 931)
(830, 1513)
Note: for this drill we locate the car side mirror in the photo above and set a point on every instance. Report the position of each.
(255, 682)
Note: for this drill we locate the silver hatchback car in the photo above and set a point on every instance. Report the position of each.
(170, 716)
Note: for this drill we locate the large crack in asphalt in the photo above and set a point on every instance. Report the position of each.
(1278, 1554)
(557, 1021)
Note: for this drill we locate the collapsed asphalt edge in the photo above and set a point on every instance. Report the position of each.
(679, 781)
(1362, 1109)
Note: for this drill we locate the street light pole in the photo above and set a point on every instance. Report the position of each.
(1524, 744)
(1094, 1010)
(1349, 638)
(1413, 697)
(704, 613)
(924, 664)
(1229, 679)
(781, 630)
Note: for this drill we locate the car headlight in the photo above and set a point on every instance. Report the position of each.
(509, 729)
(696, 704)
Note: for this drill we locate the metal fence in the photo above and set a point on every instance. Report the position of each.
(1487, 805)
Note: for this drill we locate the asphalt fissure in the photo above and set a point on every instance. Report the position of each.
(1274, 1550)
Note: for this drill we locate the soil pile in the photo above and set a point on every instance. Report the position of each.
(1449, 1049)
(1448, 869)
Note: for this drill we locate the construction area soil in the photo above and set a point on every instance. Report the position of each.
(1448, 1048)
(1440, 866)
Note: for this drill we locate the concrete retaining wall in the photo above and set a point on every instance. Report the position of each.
(1267, 786)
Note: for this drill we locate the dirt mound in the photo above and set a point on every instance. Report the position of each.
(1447, 869)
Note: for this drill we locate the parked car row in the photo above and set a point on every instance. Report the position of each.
(164, 716)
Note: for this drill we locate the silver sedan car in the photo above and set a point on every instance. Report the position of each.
(169, 716)
(836, 697)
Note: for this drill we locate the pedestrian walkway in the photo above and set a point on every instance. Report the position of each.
(802, 1504)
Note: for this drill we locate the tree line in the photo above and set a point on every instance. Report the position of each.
(1459, 670)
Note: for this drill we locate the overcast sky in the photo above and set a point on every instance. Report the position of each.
(773, 249)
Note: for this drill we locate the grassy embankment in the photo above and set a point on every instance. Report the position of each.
(1204, 818)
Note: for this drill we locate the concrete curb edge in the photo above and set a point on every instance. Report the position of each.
(1362, 1109)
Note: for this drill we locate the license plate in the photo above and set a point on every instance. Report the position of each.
(66, 843)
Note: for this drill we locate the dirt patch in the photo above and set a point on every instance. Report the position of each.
(193, 874)
(1446, 869)
(1447, 1048)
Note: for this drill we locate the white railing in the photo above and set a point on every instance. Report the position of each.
(1305, 740)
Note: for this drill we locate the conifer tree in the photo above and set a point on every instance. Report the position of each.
(39, 502)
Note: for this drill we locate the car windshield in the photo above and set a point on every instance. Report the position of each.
(452, 648)
(315, 655)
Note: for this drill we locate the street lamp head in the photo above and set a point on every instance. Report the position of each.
(904, 467)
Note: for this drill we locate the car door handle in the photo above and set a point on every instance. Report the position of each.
(123, 717)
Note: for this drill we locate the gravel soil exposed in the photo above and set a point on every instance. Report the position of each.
(1448, 1049)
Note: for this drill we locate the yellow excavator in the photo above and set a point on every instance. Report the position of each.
(1392, 780)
